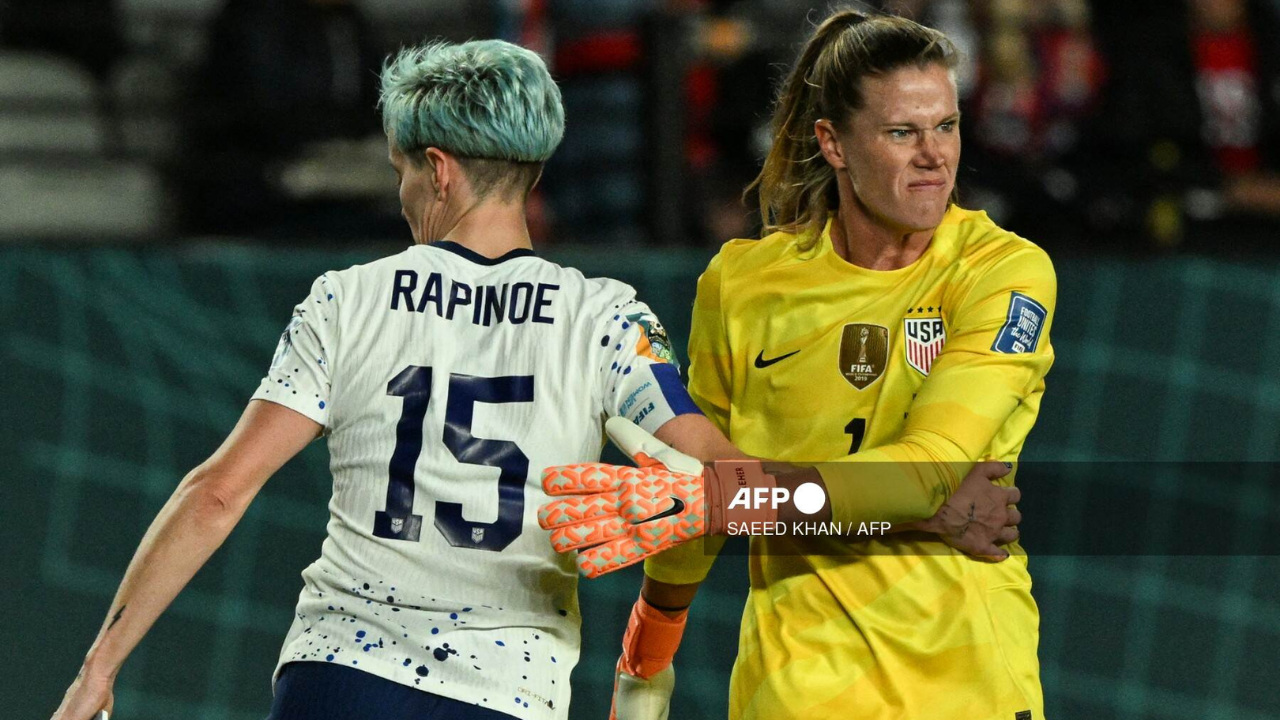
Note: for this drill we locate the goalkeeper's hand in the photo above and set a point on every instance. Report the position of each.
(645, 678)
(618, 515)
(979, 516)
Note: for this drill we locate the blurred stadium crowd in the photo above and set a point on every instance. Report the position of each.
(1144, 124)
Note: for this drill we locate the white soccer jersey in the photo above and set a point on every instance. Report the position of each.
(446, 382)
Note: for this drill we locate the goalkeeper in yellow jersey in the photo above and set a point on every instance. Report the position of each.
(879, 325)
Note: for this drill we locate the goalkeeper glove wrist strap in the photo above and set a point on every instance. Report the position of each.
(651, 640)
(725, 481)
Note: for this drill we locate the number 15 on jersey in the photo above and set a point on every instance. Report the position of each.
(397, 521)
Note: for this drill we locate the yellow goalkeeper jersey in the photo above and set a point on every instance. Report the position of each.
(801, 356)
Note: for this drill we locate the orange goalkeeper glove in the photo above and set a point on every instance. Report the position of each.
(645, 678)
(618, 515)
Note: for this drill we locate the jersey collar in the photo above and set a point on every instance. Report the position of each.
(475, 257)
(943, 236)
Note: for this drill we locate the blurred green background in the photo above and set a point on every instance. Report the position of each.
(123, 368)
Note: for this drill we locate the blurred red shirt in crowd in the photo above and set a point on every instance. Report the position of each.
(1226, 67)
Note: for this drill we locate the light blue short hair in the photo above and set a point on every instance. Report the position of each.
(480, 99)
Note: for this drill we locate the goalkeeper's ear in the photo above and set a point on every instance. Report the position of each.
(647, 450)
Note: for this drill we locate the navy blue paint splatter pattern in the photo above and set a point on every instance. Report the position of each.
(454, 649)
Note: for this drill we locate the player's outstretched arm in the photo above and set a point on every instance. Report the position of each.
(197, 518)
(644, 678)
(615, 516)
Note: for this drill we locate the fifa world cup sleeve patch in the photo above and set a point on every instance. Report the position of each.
(1022, 326)
(653, 342)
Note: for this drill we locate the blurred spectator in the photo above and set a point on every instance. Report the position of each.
(1039, 80)
(1193, 115)
(284, 117)
(728, 94)
(87, 31)
(664, 100)
(738, 52)
(1039, 77)
(1237, 83)
(594, 186)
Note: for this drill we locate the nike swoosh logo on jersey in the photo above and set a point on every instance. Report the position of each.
(761, 363)
(676, 508)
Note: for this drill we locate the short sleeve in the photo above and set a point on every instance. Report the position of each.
(299, 377)
(638, 371)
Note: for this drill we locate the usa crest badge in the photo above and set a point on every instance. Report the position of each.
(924, 340)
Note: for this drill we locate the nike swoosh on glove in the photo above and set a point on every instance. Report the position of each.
(616, 515)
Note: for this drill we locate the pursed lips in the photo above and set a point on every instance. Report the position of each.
(927, 184)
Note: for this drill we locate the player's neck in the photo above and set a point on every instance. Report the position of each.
(861, 239)
(492, 229)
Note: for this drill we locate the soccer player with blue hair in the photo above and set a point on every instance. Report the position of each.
(444, 378)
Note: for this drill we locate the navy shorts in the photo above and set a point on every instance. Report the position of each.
(324, 691)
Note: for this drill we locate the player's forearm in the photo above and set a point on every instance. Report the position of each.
(901, 483)
(696, 436)
(882, 492)
(865, 491)
(189, 528)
